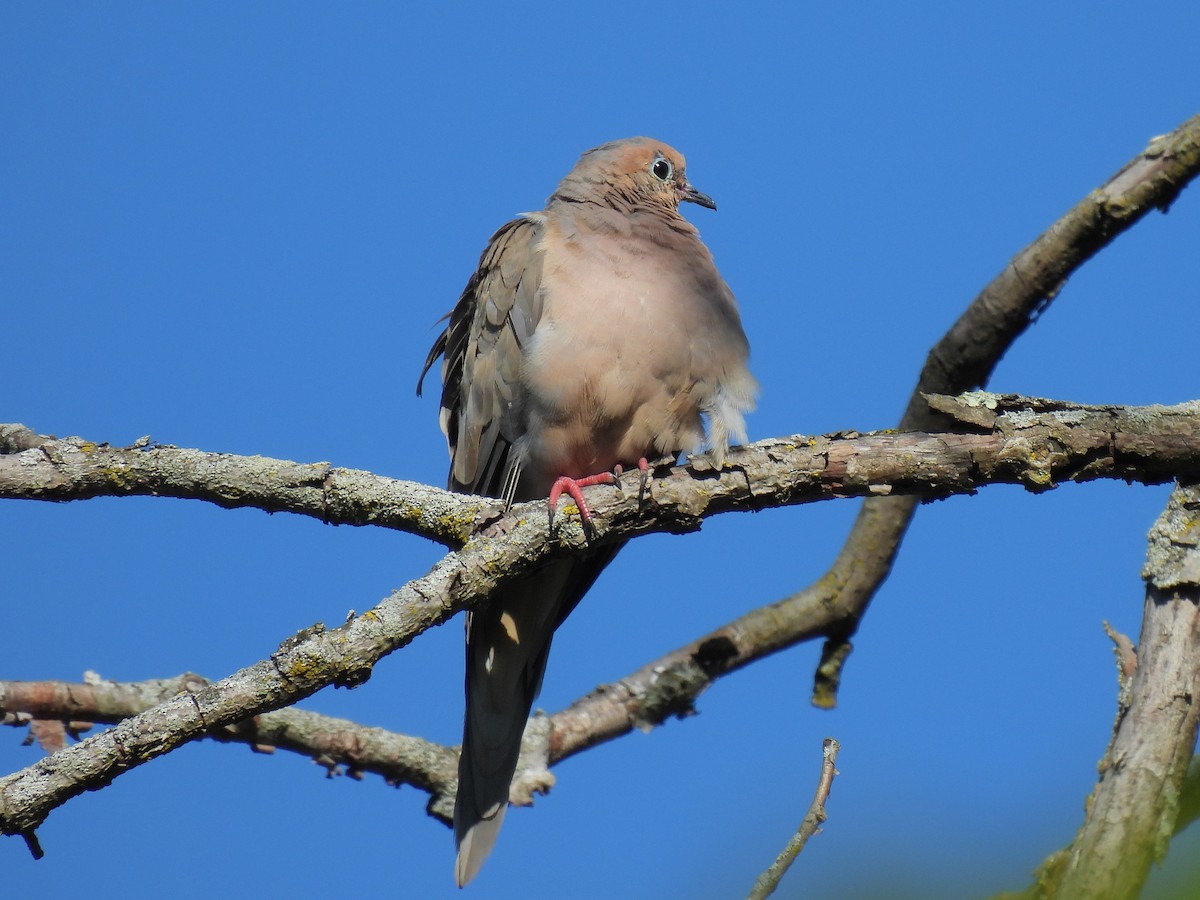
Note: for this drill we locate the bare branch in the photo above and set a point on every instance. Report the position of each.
(1034, 443)
(1150, 444)
(669, 686)
(1134, 808)
(303, 664)
(966, 356)
(41, 467)
(339, 745)
(768, 881)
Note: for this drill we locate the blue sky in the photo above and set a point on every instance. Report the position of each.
(233, 227)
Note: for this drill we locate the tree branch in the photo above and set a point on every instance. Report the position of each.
(670, 685)
(965, 358)
(1034, 443)
(1072, 441)
(768, 881)
(339, 745)
(42, 467)
(1134, 808)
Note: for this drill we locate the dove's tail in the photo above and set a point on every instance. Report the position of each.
(508, 643)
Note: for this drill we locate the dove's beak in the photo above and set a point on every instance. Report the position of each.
(689, 194)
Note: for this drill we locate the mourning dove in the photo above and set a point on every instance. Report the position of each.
(594, 334)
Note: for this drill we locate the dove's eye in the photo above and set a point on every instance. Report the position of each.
(662, 169)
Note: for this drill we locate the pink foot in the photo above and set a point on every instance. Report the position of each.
(573, 487)
(644, 468)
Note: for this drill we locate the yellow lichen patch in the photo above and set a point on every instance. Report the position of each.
(117, 476)
(303, 668)
(1039, 477)
(457, 524)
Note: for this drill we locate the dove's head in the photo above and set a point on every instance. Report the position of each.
(632, 171)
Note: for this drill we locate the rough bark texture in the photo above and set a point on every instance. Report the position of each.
(42, 467)
(1135, 806)
(339, 745)
(968, 353)
(1036, 443)
(1016, 440)
(1037, 449)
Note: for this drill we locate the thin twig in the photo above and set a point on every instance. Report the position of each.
(768, 881)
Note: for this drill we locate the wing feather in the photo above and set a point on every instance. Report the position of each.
(482, 348)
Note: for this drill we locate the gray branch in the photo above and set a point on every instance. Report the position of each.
(1136, 805)
(1039, 448)
(1036, 443)
(42, 467)
(766, 883)
(966, 355)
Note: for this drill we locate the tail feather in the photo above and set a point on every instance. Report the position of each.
(508, 644)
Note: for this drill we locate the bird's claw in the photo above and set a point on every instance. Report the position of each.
(573, 488)
(643, 481)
